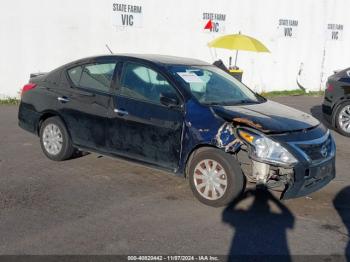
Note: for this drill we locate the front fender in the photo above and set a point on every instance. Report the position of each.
(203, 128)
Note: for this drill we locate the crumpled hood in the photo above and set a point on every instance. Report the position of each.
(268, 117)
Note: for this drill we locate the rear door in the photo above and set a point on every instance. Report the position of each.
(141, 127)
(88, 102)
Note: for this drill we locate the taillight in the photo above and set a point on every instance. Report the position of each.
(330, 87)
(28, 87)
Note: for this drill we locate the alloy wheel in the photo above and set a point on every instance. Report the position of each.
(344, 119)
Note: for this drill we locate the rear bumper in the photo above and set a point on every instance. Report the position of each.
(310, 179)
(28, 118)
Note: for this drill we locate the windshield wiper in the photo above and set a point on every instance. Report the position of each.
(247, 101)
(231, 103)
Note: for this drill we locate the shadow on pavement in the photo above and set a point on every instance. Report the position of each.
(341, 203)
(79, 154)
(259, 230)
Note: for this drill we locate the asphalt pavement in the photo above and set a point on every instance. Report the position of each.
(99, 205)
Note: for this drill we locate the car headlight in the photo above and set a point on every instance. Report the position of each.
(266, 149)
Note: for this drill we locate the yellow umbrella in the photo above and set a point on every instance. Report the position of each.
(238, 42)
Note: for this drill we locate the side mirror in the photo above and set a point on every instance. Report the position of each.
(169, 99)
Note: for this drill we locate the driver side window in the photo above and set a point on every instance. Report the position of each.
(143, 83)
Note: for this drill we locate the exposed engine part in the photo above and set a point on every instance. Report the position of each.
(233, 146)
(246, 163)
(272, 177)
(269, 176)
(261, 172)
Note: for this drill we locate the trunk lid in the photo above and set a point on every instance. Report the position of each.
(37, 77)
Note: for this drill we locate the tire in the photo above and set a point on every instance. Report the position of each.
(53, 132)
(342, 110)
(226, 168)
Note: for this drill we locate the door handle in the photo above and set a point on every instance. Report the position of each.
(121, 112)
(63, 99)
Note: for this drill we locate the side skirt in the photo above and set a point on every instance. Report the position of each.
(132, 160)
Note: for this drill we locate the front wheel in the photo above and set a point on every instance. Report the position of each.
(215, 177)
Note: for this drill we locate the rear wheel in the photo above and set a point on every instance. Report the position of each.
(54, 139)
(215, 177)
(342, 119)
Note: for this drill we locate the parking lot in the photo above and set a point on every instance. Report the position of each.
(100, 205)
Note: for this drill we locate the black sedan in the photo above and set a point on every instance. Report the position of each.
(181, 115)
(336, 105)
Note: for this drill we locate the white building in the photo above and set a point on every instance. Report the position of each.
(307, 36)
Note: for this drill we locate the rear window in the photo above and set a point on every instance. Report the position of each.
(75, 74)
(93, 76)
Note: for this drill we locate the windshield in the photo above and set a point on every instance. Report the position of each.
(211, 85)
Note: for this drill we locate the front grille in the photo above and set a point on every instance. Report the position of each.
(318, 151)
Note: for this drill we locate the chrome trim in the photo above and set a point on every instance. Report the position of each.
(121, 112)
(62, 99)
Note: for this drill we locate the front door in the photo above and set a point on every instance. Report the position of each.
(142, 128)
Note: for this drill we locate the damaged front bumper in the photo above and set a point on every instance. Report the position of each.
(313, 151)
(314, 170)
(308, 179)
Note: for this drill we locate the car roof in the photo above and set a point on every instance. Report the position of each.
(157, 59)
(168, 60)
